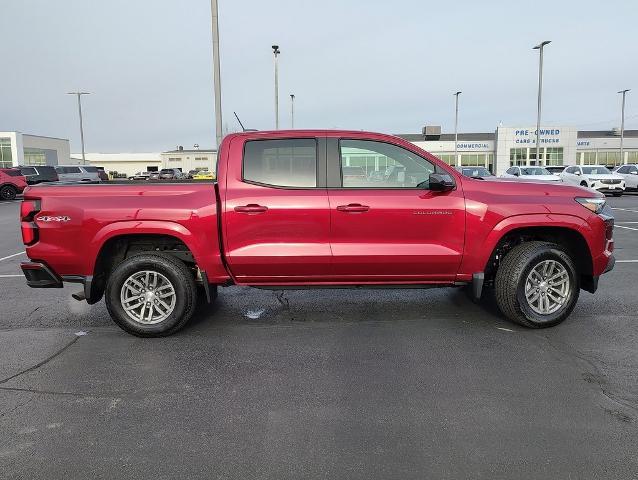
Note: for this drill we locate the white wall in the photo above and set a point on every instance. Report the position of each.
(60, 145)
(128, 163)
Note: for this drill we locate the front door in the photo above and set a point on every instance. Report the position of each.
(387, 226)
(276, 212)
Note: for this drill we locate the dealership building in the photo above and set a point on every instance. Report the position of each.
(508, 146)
(18, 148)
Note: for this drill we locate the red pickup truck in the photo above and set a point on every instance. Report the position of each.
(283, 214)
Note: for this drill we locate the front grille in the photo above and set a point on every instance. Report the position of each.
(610, 182)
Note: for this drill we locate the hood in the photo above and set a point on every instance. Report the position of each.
(605, 176)
(542, 178)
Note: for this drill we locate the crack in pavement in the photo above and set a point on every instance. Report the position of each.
(43, 362)
(20, 405)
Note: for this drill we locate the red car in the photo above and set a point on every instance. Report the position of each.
(12, 182)
(283, 215)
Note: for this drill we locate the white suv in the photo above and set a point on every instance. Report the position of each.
(597, 177)
(630, 174)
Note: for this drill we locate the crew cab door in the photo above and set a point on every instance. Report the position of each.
(386, 225)
(276, 218)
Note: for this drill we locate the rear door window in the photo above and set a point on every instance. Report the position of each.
(281, 163)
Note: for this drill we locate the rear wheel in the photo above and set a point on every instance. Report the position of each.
(151, 295)
(8, 192)
(537, 285)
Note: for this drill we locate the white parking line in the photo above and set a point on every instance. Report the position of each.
(7, 202)
(626, 261)
(624, 209)
(617, 226)
(11, 256)
(11, 276)
(625, 222)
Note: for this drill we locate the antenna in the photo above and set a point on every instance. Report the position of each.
(241, 124)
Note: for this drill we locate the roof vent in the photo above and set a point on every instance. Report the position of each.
(431, 132)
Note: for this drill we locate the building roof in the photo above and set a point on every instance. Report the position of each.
(606, 133)
(195, 150)
(448, 137)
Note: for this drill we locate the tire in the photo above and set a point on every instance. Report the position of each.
(8, 193)
(165, 270)
(512, 279)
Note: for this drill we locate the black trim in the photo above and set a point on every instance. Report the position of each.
(477, 285)
(610, 264)
(39, 275)
(206, 285)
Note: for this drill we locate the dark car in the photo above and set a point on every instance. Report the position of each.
(39, 174)
(104, 177)
(170, 174)
(475, 172)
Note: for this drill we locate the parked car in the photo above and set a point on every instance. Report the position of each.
(555, 169)
(78, 173)
(39, 174)
(540, 174)
(104, 177)
(140, 176)
(203, 175)
(280, 217)
(12, 182)
(170, 174)
(154, 175)
(597, 177)
(630, 174)
(474, 172)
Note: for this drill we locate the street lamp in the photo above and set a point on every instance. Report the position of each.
(79, 95)
(622, 125)
(292, 111)
(276, 52)
(456, 126)
(216, 72)
(539, 47)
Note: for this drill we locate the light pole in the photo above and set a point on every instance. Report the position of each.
(276, 52)
(456, 129)
(539, 47)
(292, 111)
(622, 125)
(216, 72)
(79, 95)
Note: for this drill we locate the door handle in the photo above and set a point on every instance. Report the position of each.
(251, 208)
(353, 208)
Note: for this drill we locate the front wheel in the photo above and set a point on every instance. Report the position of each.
(151, 295)
(8, 193)
(537, 285)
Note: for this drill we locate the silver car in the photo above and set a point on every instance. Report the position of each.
(78, 173)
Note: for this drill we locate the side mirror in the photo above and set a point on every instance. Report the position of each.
(441, 182)
(516, 174)
(577, 172)
(634, 172)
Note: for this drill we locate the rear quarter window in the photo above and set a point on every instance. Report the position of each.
(281, 163)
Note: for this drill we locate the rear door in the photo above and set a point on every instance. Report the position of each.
(388, 226)
(276, 220)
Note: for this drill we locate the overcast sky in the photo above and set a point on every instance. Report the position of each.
(388, 66)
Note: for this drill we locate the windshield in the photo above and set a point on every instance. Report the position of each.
(534, 171)
(476, 172)
(596, 171)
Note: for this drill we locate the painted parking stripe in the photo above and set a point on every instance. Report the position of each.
(624, 209)
(626, 261)
(11, 256)
(11, 276)
(617, 226)
(625, 222)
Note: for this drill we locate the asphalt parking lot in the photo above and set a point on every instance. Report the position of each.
(321, 384)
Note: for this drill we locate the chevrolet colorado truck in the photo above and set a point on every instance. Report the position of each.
(287, 211)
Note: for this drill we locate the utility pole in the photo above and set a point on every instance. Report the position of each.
(539, 47)
(216, 72)
(292, 111)
(622, 125)
(456, 130)
(79, 95)
(276, 52)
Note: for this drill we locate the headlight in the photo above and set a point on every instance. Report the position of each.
(596, 205)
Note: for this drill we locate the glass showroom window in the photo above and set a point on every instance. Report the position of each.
(518, 156)
(34, 156)
(490, 162)
(589, 158)
(5, 153)
(446, 157)
(532, 155)
(554, 156)
(608, 158)
(473, 160)
(632, 157)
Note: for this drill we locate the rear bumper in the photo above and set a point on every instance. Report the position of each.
(39, 275)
